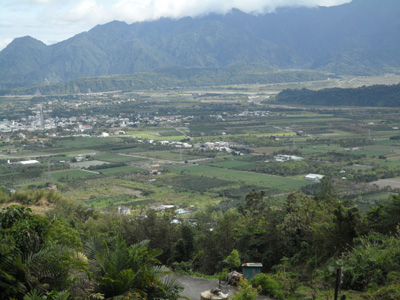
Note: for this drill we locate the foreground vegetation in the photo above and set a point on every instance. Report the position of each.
(74, 251)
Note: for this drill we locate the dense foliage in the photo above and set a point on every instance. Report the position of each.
(75, 251)
(376, 96)
(40, 258)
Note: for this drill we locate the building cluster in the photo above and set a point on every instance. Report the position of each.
(82, 123)
(174, 144)
(217, 146)
(41, 120)
(246, 113)
(258, 113)
(284, 157)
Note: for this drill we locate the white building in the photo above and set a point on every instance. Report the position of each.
(314, 177)
(122, 210)
(27, 162)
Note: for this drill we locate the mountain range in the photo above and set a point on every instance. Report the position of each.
(358, 38)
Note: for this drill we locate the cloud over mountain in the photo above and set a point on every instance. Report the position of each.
(56, 20)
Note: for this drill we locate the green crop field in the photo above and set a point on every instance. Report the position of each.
(85, 142)
(78, 152)
(261, 180)
(129, 150)
(231, 164)
(71, 174)
(153, 135)
(266, 134)
(306, 120)
(124, 169)
(174, 156)
(116, 158)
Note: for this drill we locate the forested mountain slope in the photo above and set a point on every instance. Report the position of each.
(361, 37)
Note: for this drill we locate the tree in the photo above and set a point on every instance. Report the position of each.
(123, 271)
(183, 249)
(233, 260)
(61, 233)
(29, 261)
(327, 190)
(303, 226)
(254, 203)
(385, 217)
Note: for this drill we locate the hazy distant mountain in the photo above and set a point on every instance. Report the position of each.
(362, 37)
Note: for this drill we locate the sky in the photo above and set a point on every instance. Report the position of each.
(52, 21)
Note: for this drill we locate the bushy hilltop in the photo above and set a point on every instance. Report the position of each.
(357, 38)
(375, 96)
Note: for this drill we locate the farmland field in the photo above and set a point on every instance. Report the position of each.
(123, 169)
(154, 135)
(361, 142)
(87, 164)
(169, 155)
(71, 174)
(231, 164)
(261, 180)
(116, 158)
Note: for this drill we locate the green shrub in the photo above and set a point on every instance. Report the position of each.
(268, 285)
(246, 291)
(369, 263)
(391, 290)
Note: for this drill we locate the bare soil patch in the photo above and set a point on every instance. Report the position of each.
(42, 208)
(393, 183)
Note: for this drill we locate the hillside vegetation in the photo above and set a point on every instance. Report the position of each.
(376, 96)
(171, 79)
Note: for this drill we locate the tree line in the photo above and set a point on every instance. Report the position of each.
(376, 96)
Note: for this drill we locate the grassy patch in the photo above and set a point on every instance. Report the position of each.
(158, 136)
(195, 183)
(123, 169)
(171, 155)
(85, 142)
(231, 164)
(71, 174)
(247, 178)
(107, 192)
(116, 158)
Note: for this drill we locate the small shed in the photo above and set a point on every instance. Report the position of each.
(251, 269)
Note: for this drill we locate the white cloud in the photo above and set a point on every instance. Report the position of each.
(4, 42)
(56, 20)
(139, 10)
(86, 11)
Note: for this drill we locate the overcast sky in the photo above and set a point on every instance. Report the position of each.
(52, 21)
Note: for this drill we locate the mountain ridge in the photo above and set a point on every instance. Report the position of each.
(358, 38)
